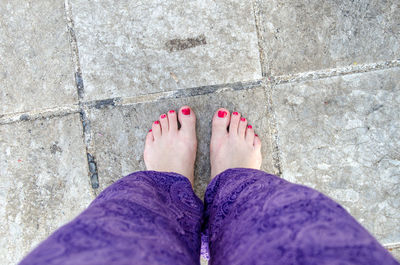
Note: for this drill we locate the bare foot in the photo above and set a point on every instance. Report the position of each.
(240, 147)
(169, 149)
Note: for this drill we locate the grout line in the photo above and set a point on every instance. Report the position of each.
(273, 129)
(392, 245)
(39, 114)
(187, 92)
(340, 71)
(260, 38)
(94, 181)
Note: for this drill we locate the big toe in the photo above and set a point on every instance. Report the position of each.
(220, 122)
(187, 119)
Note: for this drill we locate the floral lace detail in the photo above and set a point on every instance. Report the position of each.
(252, 217)
(145, 218)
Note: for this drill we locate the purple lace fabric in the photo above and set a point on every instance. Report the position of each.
(146, 217)
(251, 217)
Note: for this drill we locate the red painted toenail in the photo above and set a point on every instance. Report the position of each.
(222, 114)
(249, 126)
(163, 116)
(156, 122)
(242, 119)
(256, 134)
(186, 111)
(172, 111)
(150, 130)
(235, 113)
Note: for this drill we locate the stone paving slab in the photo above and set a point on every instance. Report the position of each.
(300, 36)
(130, 48)
(36, 70)
(341, 136)
(44, 181)
(395, 252)
(119, 133)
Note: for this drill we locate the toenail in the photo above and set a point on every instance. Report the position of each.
(235, 113)
(150, 130)
(222, 114)
(249, 126)
(172, 111)
(156, 122)
(186, 111)
(242, 119)
(256, 134)
(163, 116)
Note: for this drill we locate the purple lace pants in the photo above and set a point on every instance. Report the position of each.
(250, 217)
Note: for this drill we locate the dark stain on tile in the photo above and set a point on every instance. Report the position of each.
(24, 117)
(104, 103)
(183, 44)
(55, 148)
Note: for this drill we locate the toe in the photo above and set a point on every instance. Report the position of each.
(156, 129)
(249, 135)
(242, 127)
(187, 119)
(149, 137)
(234, 123)
(172, 121)
(220, 122)
(257, 142)
(164, 123)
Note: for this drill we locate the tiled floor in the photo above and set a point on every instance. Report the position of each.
(82, 81)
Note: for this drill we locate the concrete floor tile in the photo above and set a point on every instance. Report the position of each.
(36, 70)
(119, 133)
(44, 181)
(130, 48)
(395, 251)
(300, 36)
(341, 136)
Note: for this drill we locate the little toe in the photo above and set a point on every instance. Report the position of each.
(172, 121)
(164, 123)
(257, 142)
(234, 123)
(242, 127)
(156, 129)
(149, 137)
(187, 119)
(220, 122)
(249, 135)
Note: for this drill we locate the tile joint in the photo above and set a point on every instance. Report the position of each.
(94, 180)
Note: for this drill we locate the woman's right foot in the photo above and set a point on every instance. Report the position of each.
(240, 147)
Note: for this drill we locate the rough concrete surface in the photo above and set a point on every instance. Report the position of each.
(36, 69)
(341, 136)
(288, 66)
(300, 36)
(43, 181)
(118, 134)
(130, 48)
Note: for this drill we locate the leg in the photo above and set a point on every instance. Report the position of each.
(252, 217)
(148, 217)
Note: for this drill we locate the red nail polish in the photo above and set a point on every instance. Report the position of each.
(163, 116)
(222, 114)
(186, 111)
(150, 130)
(242, 119)
(256, 134)
(156, 122)
(172, 111)
(249, 126)
(235, 113)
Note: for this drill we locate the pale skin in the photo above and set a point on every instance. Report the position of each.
(168, 149)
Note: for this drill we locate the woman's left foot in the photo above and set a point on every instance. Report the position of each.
(168, 149)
